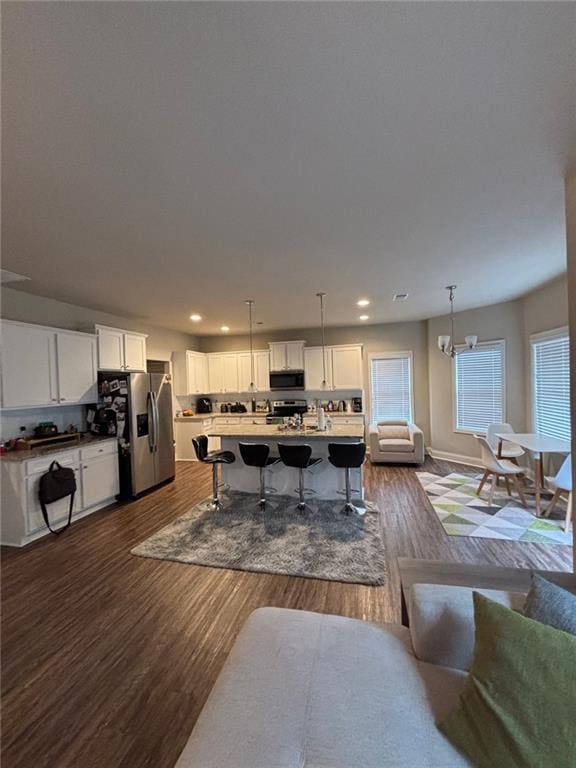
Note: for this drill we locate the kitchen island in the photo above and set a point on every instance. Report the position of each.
(324, 479)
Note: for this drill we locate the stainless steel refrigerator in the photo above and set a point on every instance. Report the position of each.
(137, 408)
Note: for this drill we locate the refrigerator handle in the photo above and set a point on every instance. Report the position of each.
(151, 422)
(156, 421)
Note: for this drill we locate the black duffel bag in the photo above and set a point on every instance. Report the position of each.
(56, 484)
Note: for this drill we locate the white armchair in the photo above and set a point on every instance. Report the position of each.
(396, 441)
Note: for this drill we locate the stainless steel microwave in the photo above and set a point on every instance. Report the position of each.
(286, 380)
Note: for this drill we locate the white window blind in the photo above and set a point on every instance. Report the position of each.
(391, 386)
(551, 384)
(479, 386)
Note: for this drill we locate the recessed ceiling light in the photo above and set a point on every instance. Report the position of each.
(196, 318)
(364, 317)
(363, 302)
(400, 297)
(224, 328)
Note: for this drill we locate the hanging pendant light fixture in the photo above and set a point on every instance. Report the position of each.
(252, 386)
(324, 384)
(446, 342)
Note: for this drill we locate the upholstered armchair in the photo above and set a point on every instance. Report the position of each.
(396, 441)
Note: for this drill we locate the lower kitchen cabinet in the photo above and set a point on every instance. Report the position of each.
(96, 469)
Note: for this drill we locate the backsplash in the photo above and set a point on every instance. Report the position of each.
(335, 396)
(29, 418)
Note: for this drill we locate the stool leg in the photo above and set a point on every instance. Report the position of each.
(349, 506)
(301, 502)
(215, 499)
(262, 489)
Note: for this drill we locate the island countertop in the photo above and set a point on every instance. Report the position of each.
(273, 431)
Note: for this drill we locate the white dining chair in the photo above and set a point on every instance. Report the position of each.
(562, 483)
(498, 468)
(508, 450)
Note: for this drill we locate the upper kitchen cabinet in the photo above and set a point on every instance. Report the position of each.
(343, 367)
(190, 373)
(347, 367)
(287, 356)
(223, 373)
(46, 366)
(120, 350)
(261, 371)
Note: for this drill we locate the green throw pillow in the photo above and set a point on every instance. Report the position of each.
(518, 705)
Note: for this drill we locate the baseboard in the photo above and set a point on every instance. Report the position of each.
(456, 458)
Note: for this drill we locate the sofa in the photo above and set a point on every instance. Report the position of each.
(307, 690)
(396, 441)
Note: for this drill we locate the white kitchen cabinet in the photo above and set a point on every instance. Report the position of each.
(223, 373)
(77, 368)
(184, 431)
(46, 366)
(287, 356)
(343, 367)
(347, 367)
(261, 371)
(97, 480)
(314, 370)
(120, 350)
(29, 376)
(190, 373)
(245, 371)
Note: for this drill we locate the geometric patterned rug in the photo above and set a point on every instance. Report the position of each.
(463, 513)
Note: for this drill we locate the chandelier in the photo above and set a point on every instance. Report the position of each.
(446, 342)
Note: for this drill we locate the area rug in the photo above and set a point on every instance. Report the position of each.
(463, 513)
(318, 544)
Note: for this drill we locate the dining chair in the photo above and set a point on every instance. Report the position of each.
(498, 468)
(508, 450)
(562, 482)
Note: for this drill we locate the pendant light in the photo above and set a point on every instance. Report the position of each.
(324, 384)
(446, 342)
(252, 386)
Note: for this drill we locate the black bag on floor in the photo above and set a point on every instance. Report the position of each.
(56, 484)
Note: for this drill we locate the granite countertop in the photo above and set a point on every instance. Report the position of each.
(249, 415)
(85, 439)
(272, 430)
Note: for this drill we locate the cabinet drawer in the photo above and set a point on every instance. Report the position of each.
(35, 466)
(57, 511)
(221, 420)
(99, 450)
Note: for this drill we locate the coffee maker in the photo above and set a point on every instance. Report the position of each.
(204, 405)
(356, 405)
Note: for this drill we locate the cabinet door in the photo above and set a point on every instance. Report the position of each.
(278, 357)
(216, 373)
(347, 367)
(231, 373)
(28, 366)
(295, 355)
(191, 375)
(99, 480)
(134, 352)
(77, 374)
(110, 350)
(201, 365)
(262, 366)
(314, 370)
(245, 371)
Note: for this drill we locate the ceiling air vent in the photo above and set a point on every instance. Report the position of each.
(11, 277)
(400, 296)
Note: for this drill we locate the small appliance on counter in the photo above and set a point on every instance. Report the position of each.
(203, 405)
(356, 405)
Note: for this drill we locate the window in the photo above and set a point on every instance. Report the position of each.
(551, 383)
(479, 387)
(391, 386)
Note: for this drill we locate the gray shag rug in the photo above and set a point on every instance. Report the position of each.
(321, 543)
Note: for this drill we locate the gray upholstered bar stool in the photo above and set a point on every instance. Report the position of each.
(215, 458)
(258, 455)
(348, 456)
(300, 457)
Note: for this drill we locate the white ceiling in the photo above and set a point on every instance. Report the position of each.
(165, 158)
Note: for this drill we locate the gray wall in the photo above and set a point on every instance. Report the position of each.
(392, 337)
(571, 240)
(28, 308)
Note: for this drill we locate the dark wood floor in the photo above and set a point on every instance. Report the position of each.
(107, 658)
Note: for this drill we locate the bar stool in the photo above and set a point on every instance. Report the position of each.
(348, 456)
(258, 455)
(200, 444)
(300, 457)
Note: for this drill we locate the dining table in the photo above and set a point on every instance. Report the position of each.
(538, 445)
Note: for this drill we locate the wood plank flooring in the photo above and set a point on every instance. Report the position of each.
(107, 658)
